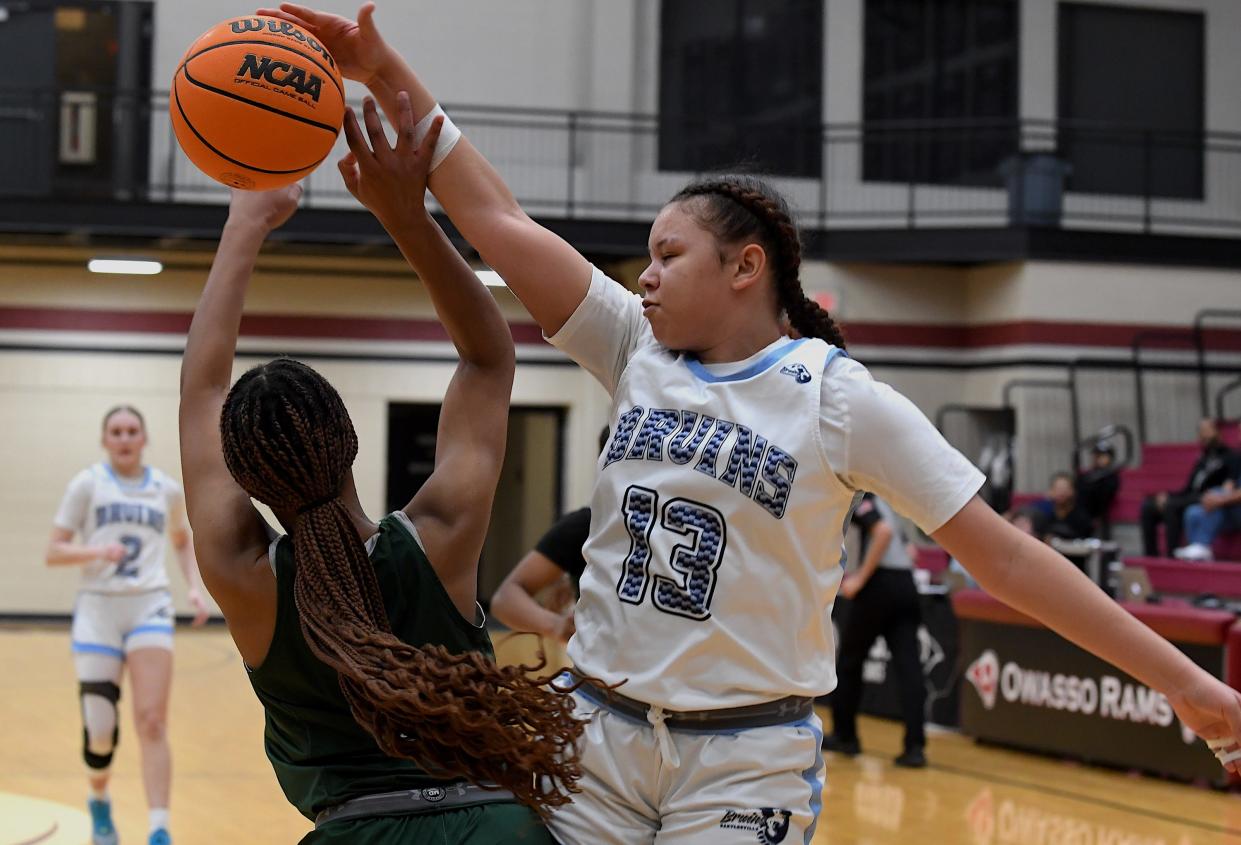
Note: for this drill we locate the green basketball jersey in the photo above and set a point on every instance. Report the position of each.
(322, 757)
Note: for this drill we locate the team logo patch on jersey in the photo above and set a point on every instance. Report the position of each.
(797, 371)
(770, 823)
(984, 674)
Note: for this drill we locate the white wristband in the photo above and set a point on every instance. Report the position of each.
(449, 135)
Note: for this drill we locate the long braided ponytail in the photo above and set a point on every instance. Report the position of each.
(739, 208)
(289, 442)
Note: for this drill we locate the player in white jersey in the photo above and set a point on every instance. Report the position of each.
(123, 514)
(718, 514)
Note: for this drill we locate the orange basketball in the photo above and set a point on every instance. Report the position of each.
(257, 103)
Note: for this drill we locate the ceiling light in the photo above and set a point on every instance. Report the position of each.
(128, 267)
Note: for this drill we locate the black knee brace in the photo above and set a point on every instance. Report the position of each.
(110, 692)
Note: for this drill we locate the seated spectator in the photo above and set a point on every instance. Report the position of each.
(1209, 472)
(1217, 512)
(1097, 487)
(1063, 517)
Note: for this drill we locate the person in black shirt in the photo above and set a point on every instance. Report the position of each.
(885, 604)
(558, 553)
(1211, 470)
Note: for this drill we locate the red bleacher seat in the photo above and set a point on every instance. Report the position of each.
(1020, 500)
(1230, 433)
(1165, 466)
(1177, 576)
(931, 558)
(1227, 547)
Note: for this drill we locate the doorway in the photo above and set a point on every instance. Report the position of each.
(528, 495)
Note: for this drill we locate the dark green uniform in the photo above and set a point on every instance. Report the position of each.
(322, 757)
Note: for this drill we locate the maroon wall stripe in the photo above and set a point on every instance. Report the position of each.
(258, 325)
(1030, 332)
(409, 329)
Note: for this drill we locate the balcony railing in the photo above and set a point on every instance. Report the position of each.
(586, 165)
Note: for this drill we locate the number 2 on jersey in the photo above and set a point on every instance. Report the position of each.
(133, 548)
(697, 560)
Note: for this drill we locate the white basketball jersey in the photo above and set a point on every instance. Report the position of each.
(717, 530)
(104, 508)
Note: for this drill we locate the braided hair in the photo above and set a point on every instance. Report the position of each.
(745, 208)
(289, 442)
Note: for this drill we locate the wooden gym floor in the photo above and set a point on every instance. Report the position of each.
(224, 790)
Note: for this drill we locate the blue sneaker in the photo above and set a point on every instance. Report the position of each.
(160, 837)
(103, 832)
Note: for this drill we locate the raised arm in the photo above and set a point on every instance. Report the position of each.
(453, 507)
(230, 536)
(548, 275)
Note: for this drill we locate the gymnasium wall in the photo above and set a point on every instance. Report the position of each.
(73, 344)
(483, 52)
(533, 54)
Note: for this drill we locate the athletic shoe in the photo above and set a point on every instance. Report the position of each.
(102, 831)
(160, 837)
(912, 758)
(847, 747)
(1194, 552)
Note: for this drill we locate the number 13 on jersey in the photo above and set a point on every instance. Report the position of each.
(696, 560)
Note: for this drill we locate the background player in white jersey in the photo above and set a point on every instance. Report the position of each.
(737, 455)
(123, 514)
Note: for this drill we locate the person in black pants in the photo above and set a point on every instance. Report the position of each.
(885, 603)
(1211, 470)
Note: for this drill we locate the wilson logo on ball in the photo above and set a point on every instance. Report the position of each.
(281, 74)
(275, 27)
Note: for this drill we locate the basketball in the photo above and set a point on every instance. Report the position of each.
(256, 103)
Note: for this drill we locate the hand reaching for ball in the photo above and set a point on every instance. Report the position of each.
(391, 181)
(264, 210)
(357, 46)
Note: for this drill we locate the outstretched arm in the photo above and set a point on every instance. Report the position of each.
(548, 275)
(1033, 578)
(229, 535)
(453, 508)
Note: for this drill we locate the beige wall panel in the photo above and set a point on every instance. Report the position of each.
(51, 405)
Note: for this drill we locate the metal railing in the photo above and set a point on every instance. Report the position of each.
(580, 164)
(1223, 394)
(1202, 347)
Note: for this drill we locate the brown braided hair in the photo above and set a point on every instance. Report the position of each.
(745, 208)
(289, 442)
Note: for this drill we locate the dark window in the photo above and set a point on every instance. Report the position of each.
(940, 90)
(741, 83)
(79, 122)
(1131, 100)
